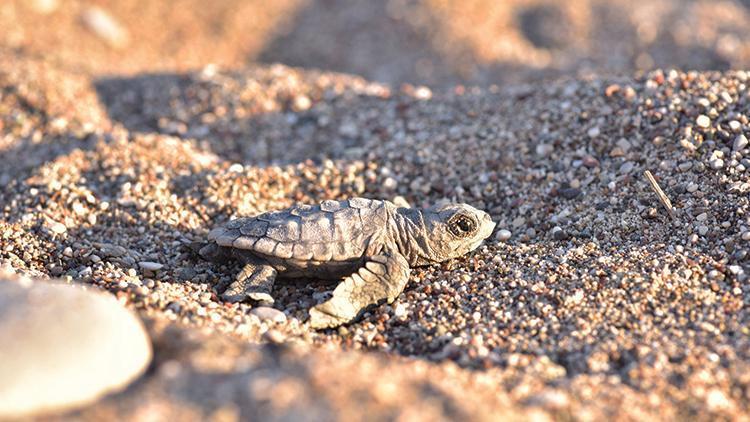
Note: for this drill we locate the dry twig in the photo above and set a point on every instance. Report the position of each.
(660, 193)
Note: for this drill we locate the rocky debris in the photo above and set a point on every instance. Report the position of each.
(64, 347)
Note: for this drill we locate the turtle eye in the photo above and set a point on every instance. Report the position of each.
(462, 225)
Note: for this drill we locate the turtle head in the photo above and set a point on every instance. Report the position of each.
(454, 230)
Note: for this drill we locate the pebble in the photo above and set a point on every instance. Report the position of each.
(740, 143)
(108, 249)
(400, 311)
(503, 235)
(518, 222)
(266, 313)
(150, 266)
(627, 167)
(105, 26)
(543, 150)
(717, 163)
(569, 193)
(93, 348)
(58, 228)
(390, 183)
(703, 121)
(558, 233)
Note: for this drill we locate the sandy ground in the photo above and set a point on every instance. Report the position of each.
(119, 146)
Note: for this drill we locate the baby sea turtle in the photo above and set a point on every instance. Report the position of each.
(369, 243)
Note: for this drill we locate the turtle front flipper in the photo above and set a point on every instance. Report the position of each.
(254, 282)
(382, 278)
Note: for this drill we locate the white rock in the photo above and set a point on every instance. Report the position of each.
(58, 228)
(503, 235)
(266, 313)
(105, 26)
(400, 311)
(740, 143)
(150, 266)
(703, 121)
(64, 347)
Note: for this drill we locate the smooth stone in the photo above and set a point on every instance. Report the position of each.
(266, 313)
(503, 235)
(64, 347)
(703, 121)
(150, 266)
(740, 143)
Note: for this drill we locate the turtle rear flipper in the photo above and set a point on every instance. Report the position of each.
(210, 251)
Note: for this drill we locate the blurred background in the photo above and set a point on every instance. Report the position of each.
(431, 42)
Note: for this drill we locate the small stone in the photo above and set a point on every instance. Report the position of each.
(390, 183)
(503, 235)
(735, 269)
(590, 162)
(569, 193)
(691, 187)
(108, 249)
(543, 150)
(558, 233)
(266, 313)
(740, 143)
(301, 103)
(186, 273)
(702, 216)
(94, 347)
(685, 166)
(518, 222)
(702, 230)
(703, 121)
(717, 163)
(717, 401)
(624, 145)
(106, 27)
(150, 266)
(735, 126)
(746, 235)
(400, 311)
(57, 228)
(627, 167)
(593, 132)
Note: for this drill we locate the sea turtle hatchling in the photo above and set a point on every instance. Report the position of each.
(369, 243)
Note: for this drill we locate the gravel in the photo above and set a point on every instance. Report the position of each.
(590, 302)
